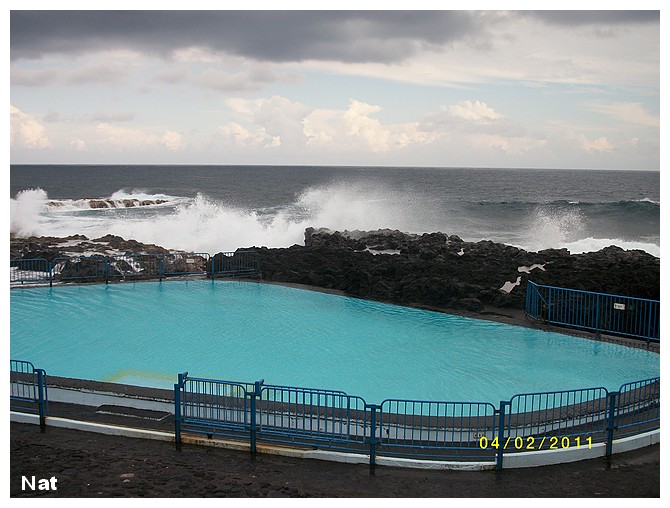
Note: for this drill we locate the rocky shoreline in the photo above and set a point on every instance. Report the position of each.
(431, 270)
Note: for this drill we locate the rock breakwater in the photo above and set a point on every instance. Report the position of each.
(431, 270)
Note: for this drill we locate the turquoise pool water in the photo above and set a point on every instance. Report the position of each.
(145, 333)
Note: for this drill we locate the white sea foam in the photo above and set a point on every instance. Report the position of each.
(202, 224)
(25, 212)
(552, 228)
(595, 244)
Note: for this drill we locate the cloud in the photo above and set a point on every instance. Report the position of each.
(508, 144)
(282, 118)
(113, 116)
(172, 140)
(253, 78)
(355, 128)
(78, 145)
(278, 36)
(629, 112)
(128, 139)
(595, 17)
(360, 125)
(98, 73)
(25, 77)
(26, 131)
(235, 134)
(278, 121)
(465, 116)
(599, 145)
(477, 112)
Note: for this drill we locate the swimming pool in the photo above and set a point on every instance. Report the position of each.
(144, 333)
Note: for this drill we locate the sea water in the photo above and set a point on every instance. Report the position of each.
(145, 333)
(220, 208)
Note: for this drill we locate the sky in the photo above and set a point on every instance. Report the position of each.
(437, 88)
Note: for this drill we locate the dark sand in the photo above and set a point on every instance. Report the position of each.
(87, 464)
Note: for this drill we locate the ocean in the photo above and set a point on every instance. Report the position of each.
(221, 208)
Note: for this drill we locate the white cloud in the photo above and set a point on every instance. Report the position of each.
(296, 125)
(125, 139)
(360, 125)
(510, 145)
(26, 131)
(78, 145)
(172, 140)
(478, 112)
(600, 144)
(122, 137)
(629, 112)
(282, 118)
(235, 134)
(355, 128)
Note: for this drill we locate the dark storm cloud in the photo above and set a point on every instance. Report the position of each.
(574, 18)
(347, 36)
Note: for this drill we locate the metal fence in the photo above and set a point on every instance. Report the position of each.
(637, 407)
(28, 389)
(442, 430)
(434, 430)
(599, 312)
(98, 268)
(29, 271)
(181, 263)
(238, 263)
(312, 417)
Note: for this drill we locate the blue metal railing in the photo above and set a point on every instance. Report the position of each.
(638, 406)
(307, 416)
(240, 263)
(445, 430)
(211, 406)
(598, 312)
(29, 271)
(81, 268)
(180, 263)
(467, 431)
(28, 389)
(128, 266)
(332, 419)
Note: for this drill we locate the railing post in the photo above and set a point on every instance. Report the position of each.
(501, 433)
(181, 379)
(598, 298)
(612, 399)
(648, 314)
(41, 391)
(373, 408)
(256, 394)
(160, 269)
(50, 269)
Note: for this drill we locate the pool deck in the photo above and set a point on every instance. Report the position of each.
(90, 464)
